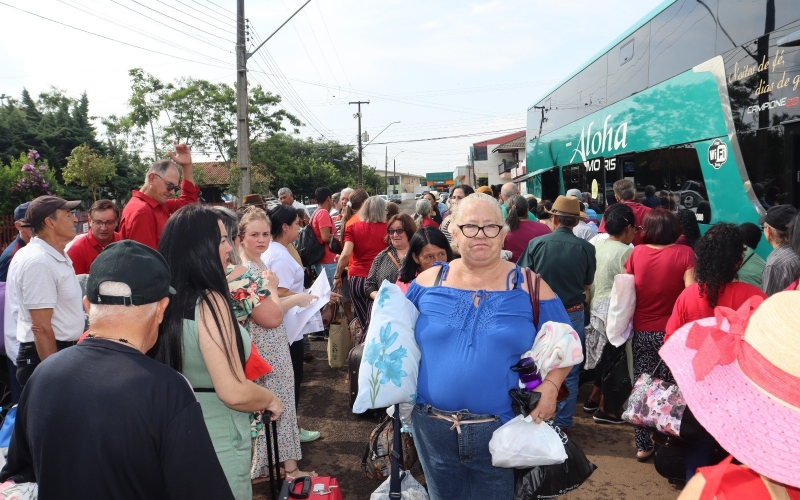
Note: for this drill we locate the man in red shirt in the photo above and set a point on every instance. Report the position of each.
(324, 229)
(145, 215)
(625, 192)
(85, 248)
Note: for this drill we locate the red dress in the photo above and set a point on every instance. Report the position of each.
(726, 481)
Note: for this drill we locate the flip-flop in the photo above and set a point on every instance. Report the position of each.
(304, 474)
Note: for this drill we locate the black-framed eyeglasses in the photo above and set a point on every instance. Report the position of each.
(472, 230)
(395, 231)
(24, 225)
(170, 186)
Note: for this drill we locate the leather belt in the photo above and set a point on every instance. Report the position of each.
(576, 307)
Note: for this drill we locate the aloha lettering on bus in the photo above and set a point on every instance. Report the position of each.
(607, 140)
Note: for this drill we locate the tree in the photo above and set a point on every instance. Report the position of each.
(88, 169)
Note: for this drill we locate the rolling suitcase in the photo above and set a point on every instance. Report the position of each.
(311, 487)
(274, 466)
(353, 364)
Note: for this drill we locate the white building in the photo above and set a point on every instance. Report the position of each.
(495, 159)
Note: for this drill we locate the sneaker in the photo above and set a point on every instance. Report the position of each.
(602, 417)
(308, 357)
(307, 436)
(590, 406)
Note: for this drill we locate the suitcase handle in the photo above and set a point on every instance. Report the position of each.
(304, 492)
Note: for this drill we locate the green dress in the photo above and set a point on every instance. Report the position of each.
(229, 429)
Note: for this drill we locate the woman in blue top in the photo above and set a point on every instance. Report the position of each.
(467, 349)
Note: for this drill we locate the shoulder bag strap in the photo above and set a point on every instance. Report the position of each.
(391, 256)
(438, 280)
(533, 290)
(396, 457)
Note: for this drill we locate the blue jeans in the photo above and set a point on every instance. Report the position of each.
(459, 465)
(330, 270)
(566, 408)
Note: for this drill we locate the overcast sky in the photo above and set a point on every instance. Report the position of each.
(441, 68)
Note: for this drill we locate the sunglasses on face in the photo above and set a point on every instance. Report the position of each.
(170, 186)
(395, 231)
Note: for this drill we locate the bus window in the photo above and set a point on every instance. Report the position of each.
(769, 172)
(674, 169)
(746, 21)
(550, 185)
(628, 65)
(681, 36)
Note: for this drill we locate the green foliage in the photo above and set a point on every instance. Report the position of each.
(88, 169)
(24, 179)
(303, 165)
(481, 181)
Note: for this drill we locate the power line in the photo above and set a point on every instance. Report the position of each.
(451, 136)
(78, 6)
(214, 11)
(107, 38)
(320, 48)
(333, 45)
(178, 21)
(195, 17)
(221, 7)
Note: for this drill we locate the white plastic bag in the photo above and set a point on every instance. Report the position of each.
(521, 443)
(410, 489)
(622, 304)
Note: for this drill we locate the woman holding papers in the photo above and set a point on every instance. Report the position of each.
(257, 255)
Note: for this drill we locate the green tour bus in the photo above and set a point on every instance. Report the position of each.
(700, 97)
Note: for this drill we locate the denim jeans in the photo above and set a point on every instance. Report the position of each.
(330, 270)
(566, 408)
(459, 465)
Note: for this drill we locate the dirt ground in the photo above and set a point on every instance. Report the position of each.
(324, 407)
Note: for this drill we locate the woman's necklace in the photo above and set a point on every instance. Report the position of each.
(401, 256)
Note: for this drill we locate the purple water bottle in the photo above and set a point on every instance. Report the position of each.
(529, 377)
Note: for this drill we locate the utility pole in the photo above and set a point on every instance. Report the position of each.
(386, 171)
(360, 147)
(242, 123)
(396, 180)
(242, 126)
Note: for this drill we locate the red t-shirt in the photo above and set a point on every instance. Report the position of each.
(690, 306)
(367, 239)
(639, 211)
(517, 241)
(428, 222)
(143, 218)
(658, 276)
(322, 218)
(84, 250)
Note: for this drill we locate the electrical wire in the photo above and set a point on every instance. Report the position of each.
(108, 38)
(231, 19)
(221, 7)
(179, 21)
(226, 29)
(333, 45)
(449, 137)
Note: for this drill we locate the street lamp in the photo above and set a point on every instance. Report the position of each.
(379, 133)
(396, 181)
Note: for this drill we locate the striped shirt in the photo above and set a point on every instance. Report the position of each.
(782, 267)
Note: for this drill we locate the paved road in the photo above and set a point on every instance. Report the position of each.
(324, 407)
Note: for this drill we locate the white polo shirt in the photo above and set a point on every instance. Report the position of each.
(45, 279)
(11, 310)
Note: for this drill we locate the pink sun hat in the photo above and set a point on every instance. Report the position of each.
(740, 374)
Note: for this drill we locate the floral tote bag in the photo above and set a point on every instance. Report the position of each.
(656, 405)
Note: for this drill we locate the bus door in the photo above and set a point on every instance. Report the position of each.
(791, 158)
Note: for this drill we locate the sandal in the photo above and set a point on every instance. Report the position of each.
(264, 479)
(294, 474)
(644, 456)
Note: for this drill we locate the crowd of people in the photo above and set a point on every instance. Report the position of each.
(168, 317)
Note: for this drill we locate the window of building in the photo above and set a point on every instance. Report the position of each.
(481, 154)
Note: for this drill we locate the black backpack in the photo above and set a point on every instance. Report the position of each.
(310, 249)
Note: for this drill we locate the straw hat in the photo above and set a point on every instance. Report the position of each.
(742, 381)
(567, 206)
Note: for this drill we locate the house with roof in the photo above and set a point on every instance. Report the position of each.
(495, 159)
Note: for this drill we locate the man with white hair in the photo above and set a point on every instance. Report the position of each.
(287, 198)
(103, 416)
(508, 190)
(145, 215)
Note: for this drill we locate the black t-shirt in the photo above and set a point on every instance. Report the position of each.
(102, 420)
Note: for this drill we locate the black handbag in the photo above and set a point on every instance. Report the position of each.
(616, 385)
(335, 245)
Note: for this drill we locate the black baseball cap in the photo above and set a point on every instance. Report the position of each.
(779, 217)
(19, 212)
(140, 267)
(43, 206)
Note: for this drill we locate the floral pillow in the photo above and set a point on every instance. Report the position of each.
(390, 363)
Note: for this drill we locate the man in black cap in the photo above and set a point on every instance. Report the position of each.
(783, 263)
(102, 419)
(48, 293)
(22, 239)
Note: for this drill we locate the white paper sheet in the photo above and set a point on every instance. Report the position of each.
(299, 320)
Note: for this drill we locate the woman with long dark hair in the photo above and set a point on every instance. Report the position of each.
(689, 227)
(520, 230)
(719, 253)
(428, 245)
(201, 338)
